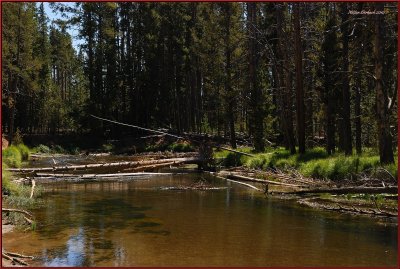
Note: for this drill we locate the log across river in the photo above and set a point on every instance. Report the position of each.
(192, 160)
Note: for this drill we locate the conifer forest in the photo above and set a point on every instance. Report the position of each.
(137, 125)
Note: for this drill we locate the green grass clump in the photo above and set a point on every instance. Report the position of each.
(180, 147)
(107, 147)
(7, 186)
(24, 150)
(58, 149)
(312, 154)
(368, 162)
(285, 163)
(392, 169)
(316, 168)
(41, 149)
(12, 156)
(232, 159)
(260, 161)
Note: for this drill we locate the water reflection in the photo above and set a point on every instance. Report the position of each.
(73, 255)
(136, 224)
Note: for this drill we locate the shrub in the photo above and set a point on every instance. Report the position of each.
(17, 138)
(312, 154)
(315, 168)
(75, 150)
(58, 149)
(107, 147)
(12, 156)
(180, 147)
(368, 163)
(286, 163)
(42, 149)
(24, 150)
(232, 159)
(259, 161)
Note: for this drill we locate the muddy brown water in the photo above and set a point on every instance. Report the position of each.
(135, 223)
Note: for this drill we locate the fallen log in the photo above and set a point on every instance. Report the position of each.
(33, 188)
(12, 254)
(241, 183)
(146, 167)
(167, 134)
(48, 178)
(45, 175)
(104, 165)
(346, 190)
(184, 188)
(235, 151)
(13, 259)
(16, 210)
(351, 209)
(239, 177)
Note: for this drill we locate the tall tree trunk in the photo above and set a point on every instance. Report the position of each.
(347, 143)
(229, 95)
(15, 80)
(285, 83)
(358, 85)
(257, 116)
(299, 81)
(384, 135)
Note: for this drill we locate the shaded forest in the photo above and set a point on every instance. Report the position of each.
(293, 74)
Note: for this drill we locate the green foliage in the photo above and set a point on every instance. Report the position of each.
(107, 147)
(316, 163)
(17, 139)
(6, 185)
(41, 149)
(58, 149)
(24, 150)
(12, 156)
(232, 159)
(180, 147)
(312, 154)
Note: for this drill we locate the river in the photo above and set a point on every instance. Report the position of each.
(135, 223)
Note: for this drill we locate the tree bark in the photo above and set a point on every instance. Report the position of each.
(347, 143)
(257, 115)
(358, 85)
(299, 81)
(384, 135)
(285, 82)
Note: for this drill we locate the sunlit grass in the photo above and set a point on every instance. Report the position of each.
(315, 163)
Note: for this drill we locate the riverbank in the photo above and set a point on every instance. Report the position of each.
(354, 194)
(343, 197)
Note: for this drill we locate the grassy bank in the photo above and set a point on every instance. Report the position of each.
(314, 163)
(16, 195)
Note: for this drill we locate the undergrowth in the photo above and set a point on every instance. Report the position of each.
(315, 163)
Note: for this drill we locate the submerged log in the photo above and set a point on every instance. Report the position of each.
(239, 177)
(13, 259)
(241, 183)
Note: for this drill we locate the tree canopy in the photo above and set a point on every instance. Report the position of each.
(293, 74)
